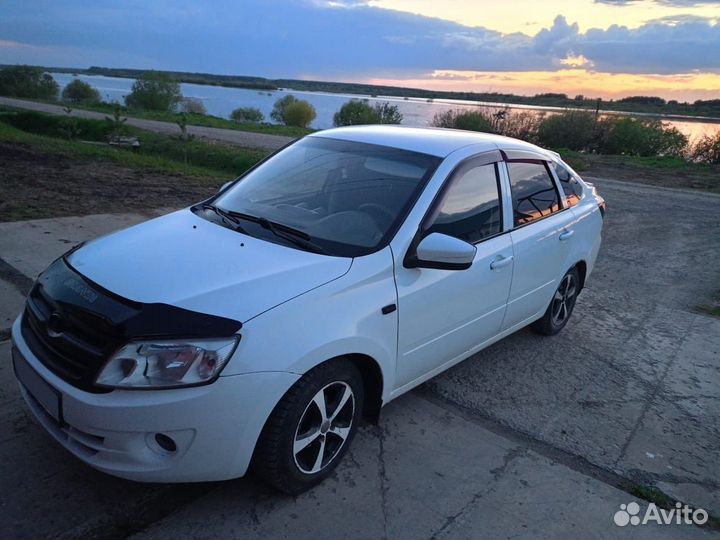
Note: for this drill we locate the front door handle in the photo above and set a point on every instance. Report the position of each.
(567, 234)
(501, 262)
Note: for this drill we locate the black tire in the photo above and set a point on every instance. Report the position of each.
(297, 414)
(561, 306)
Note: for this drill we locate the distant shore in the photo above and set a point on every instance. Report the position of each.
(648, 106)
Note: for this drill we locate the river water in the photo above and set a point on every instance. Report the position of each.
(221, 101)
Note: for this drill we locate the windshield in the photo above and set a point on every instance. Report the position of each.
(346, 197)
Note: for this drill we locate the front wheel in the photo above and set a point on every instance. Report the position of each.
(311, 427)
(561, 306)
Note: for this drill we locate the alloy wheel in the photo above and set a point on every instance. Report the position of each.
(564, 300)
(324, 427)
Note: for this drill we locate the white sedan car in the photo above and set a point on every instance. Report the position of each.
(257, 328)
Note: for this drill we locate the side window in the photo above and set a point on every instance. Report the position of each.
(570, 186)
(470, 207)
(533, 191)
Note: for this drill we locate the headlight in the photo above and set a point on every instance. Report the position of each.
(167, 364)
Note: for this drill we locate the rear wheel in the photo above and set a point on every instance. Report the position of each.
(561, 306)
(311, 428)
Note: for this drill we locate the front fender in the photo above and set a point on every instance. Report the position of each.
(339, 318)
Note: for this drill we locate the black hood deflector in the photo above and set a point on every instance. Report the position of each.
(121, 317)
(73, 325)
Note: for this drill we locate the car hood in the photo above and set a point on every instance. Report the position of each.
(183, 260)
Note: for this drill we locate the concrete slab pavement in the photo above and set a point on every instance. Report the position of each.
(425, 473)
(632, 382)
(46, 492)
(533, 437)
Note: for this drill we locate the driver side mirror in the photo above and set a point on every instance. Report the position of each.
(442, 252)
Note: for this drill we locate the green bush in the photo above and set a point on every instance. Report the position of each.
(389, 114)
(57, 126)
(292, 111)
(359, 112)
(570, 129)
(190, 105)
(154, 91)
(520, 125)
(356, 113)
(27, 82)
(638, 137)
(707, 149)
(299, 114)
(471, 120)
(247, 115)
(280, 108)
(80, 93)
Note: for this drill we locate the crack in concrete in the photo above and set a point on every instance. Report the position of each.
(651, 398)
(379, 431)
(497, 473)
(574, 462)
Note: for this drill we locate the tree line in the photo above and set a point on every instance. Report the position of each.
(572, 129)
(648, 104)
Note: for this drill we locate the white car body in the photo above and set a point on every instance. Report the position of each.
(299, 309)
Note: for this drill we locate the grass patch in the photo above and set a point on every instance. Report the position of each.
(575, 159)
(158, 152)
(665, 171)
(662, 163)
(710, 310)
(652, 494)
(662, 500)
(122, 157)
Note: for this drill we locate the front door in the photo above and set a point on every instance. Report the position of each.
(445, 313)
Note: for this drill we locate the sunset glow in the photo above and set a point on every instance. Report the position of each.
(690, 86)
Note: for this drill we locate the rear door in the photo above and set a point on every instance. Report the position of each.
(542, 239)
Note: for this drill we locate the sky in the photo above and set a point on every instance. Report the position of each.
(598, 48)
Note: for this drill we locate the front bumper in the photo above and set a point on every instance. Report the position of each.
(215, 427)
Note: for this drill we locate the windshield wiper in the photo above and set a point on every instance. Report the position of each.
(226, 216)
(297, 237)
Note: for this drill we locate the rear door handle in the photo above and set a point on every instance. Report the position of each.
(501, 262)
(567, 234)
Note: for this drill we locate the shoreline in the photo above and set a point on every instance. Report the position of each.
(261, 84)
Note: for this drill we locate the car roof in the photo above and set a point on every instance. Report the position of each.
(438, 142)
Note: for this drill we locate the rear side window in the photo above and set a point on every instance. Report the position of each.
(570, 186)
(470, 207)
(533, 191)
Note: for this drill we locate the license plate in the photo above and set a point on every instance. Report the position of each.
(44, 394)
